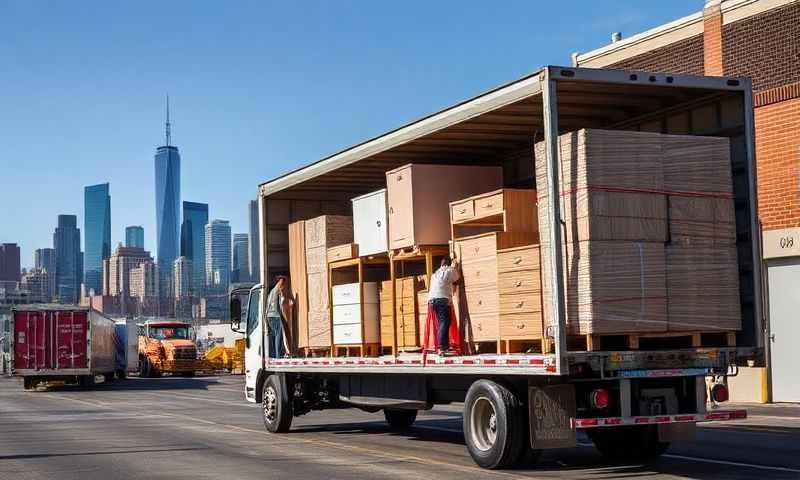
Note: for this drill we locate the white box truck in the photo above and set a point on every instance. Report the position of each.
(632, 402)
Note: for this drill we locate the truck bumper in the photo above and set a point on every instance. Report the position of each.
(716, 416)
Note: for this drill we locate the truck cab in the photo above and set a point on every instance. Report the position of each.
(167, 347)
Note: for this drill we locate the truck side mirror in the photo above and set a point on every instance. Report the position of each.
(236, 314)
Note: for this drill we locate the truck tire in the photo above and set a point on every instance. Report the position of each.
(28, 383)
(494, 425)
(276, 407)
(144, 367)
(399, 419)
(636, 442)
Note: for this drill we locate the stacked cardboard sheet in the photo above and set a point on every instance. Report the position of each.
(648, 230)
(321, 233)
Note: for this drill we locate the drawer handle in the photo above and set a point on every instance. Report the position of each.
(399, 178)
(462, 211)
(378, 223)
(480, 302)
(520, 304)
(488, 205)
(518, 284)
(517, 260)
(520, 326)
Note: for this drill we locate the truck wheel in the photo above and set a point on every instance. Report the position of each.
(399, 419)
(639, 442)
(28, 383)
(494, 426)
(144, 367)
(275, 406)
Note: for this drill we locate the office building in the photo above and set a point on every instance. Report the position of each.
(218, 256)
(241, 264)
(134, 236)
(168, 194)
(36, 283)
(67, 245)
(254, 252)
(44, 259)
(193, 242)
(144, 282)
(9, 262)
(182, 277)
(96, 234)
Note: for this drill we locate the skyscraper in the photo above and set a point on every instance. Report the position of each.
(193, 242)
(218, 256)
(168, 194)
(97, 234)
(9, 262)
(134, 236)
(255, 253)
(241, 267)
(182, 276)
(44, 259)
(67, 244)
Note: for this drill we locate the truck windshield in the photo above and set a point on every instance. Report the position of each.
(166, 332)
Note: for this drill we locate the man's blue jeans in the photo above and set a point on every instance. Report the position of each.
(442, 308)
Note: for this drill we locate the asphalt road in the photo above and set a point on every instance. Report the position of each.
(202, 428)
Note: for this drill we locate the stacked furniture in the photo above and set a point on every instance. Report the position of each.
(402, 322)
(370, 225)
(648, 233)
(356, 314)
(493, 262)
(418, 196)
(321, 233)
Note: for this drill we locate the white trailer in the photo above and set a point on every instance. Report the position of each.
(632, 402)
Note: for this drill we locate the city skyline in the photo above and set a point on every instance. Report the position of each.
(103, 115)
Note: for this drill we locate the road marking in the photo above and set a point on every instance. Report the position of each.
(733, 464)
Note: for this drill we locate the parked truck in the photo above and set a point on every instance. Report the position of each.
(61, 343)
(167, 346)
(631, 401)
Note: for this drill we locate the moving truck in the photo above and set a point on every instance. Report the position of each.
(61, 343)
(632, 399)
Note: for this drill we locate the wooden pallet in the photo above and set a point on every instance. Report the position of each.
(648, 341)
(362, 349)
(524, 346)
(314, 352)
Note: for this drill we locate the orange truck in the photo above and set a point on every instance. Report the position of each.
(167, 347)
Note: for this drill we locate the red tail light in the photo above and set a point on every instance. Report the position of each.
(719, 393)
(599, 398)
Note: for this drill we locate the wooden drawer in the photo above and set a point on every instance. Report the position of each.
(520, 303)
(480, 273)
(351, 293)
(489, 205)
(476, 248)
(343, 314)
(523, 258)
(484, 300)
(342, 252)
(485, 327)
(519, 282)
(515, 326)
(346, 334)
(463, 210)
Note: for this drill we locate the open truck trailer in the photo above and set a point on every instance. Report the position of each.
(632, 402)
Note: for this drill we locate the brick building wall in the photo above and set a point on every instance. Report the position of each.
(766, 48)
(683, 56)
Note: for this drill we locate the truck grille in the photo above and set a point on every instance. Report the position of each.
(185, 353)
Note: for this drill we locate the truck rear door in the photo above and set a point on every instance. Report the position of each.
(31, 346)
(71, 339)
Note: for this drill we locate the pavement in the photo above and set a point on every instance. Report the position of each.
(202, 428)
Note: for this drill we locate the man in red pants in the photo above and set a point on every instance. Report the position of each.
(440, 296)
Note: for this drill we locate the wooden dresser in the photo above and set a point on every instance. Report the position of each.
(355, 318)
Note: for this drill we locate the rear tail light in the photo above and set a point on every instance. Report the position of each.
(599, 398)
(719, 393)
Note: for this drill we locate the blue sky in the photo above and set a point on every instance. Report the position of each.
(257, 88)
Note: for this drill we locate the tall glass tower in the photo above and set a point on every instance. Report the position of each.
(218, 256)
(193, 242)
(67, 244)
(134, 236)
(168, 194)
(97, 234)
(241, 266)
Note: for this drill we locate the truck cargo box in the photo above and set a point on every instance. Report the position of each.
(62, 340)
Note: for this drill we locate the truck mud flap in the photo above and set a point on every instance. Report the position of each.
(551, 413)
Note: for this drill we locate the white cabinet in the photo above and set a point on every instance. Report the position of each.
(370, 230)
(347, 313)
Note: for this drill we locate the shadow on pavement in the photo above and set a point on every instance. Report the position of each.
(26, 456)
(163, 383)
